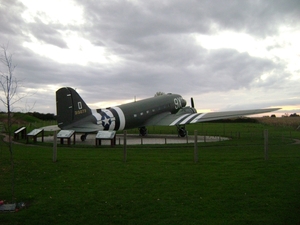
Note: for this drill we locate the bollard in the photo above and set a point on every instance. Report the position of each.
(266, 144)
(125, 146)
(195, 147)
(54, 146)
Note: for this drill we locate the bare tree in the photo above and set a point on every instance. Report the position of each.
(9, 86)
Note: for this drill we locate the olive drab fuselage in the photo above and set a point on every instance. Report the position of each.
(72, 111)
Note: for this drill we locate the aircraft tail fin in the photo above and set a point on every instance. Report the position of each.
(70, 107)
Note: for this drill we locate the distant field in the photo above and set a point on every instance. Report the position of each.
(280, 121)
(161, 184)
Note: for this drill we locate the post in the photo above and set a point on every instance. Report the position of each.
(125, 146)
(43, 135)
(195, 147)
(187, 137)
(55, 146)
(266, 144)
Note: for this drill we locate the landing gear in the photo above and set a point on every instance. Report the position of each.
(181, 131)
(143, 131)
(83, 137)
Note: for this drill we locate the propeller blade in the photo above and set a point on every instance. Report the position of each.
(192, 103)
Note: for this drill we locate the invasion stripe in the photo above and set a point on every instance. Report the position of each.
(117, 118)
(96, 115)
(179, 119)
(197, 118)
(188, 119)
(121, 117)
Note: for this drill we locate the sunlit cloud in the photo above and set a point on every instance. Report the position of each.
(80, 51)
(54, 11)
(284, 46)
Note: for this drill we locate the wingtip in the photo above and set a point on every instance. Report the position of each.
(274, 109)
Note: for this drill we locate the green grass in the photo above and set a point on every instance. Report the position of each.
(22, 119)
(161, 184)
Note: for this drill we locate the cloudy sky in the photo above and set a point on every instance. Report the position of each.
(227, 55)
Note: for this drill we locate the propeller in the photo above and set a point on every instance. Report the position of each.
(192, 103)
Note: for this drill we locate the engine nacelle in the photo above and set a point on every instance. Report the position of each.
(187, 109)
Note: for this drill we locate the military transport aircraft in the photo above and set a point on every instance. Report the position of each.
(164, 110)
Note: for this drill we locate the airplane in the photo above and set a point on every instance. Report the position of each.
(163, 110)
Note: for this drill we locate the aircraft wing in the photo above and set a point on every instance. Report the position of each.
(168, 119)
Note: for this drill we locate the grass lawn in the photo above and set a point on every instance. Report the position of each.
(159, 184)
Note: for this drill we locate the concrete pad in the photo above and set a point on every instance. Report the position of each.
(135, 139)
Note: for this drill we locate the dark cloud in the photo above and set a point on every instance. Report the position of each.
(149, 18)
(47, 34)
(10, 20)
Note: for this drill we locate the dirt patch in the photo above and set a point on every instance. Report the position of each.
(6, 139)
(297, 142)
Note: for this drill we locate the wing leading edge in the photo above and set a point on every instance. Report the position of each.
(188, 118)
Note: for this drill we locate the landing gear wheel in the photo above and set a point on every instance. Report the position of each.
(83, 137)
(143, 131)
(181, 131)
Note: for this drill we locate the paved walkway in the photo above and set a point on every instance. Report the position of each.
(134, 139)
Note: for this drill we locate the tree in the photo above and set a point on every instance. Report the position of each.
(9, 86)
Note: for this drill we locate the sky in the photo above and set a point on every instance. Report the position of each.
(227, 55)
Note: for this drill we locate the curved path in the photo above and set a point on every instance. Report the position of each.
(134, 139)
